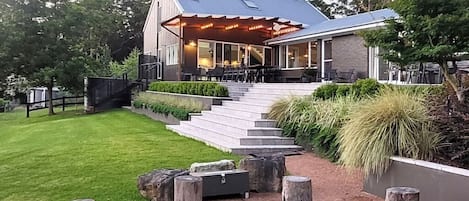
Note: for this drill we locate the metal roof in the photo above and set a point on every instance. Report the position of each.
(337, 25)
(292, 10)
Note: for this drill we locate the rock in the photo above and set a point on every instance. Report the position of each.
(158, 185)
(213, 166)
(84, 200)
(265, 173)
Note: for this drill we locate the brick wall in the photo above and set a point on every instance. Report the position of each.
(349, 52)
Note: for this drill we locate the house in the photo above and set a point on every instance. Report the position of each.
(191, 37)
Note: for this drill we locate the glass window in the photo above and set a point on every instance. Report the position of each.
(172, 54)
(327, 49)
(283, 56)
(314, 54)
(256, 55)
(242, 55)
(268, 57)
(205, 54)
(298, 55)
(219, 54)
(230, 55)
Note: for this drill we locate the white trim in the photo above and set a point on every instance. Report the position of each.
(431, 165)
(287, 58)
(148, 15)
(298, 68)
(323, 73)
(332, 32)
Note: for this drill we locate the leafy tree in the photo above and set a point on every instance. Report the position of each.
(432, 31)
(129, 65)
(57, 42)
(326, 8)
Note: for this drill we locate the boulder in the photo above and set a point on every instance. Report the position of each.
(84, 200)
(265, 172)
(213, 166)
(158, 185)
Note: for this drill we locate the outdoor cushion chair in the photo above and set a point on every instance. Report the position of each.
(217, 73)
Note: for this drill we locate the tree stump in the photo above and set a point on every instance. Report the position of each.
(188, 188)
(265, 173)
(402, 194)
(297, 188)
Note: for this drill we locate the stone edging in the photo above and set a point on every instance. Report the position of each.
(432, 165)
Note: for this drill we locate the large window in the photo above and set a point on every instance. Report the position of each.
(298, 55)
(206, 54)
(172, 54)
(225, 54)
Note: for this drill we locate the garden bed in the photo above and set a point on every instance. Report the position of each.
(165, 118)
(436, 182)
(207, 101)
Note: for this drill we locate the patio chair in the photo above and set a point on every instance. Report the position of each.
(217, 73)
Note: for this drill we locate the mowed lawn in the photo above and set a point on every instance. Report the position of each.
(73, 155)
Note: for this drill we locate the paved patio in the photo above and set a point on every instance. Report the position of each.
(330, 181)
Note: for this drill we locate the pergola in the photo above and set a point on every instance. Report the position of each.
(269, 26)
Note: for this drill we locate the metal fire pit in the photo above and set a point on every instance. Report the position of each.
(228, 182)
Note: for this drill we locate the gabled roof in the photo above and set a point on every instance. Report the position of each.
(340, 25)
(295, 10)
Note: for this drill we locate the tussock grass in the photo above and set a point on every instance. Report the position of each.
(313, 122)
(396, 122)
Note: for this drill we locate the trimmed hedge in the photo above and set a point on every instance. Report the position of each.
(361, 88)
(192, 88)
(178, 113)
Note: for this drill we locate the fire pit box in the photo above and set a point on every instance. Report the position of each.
(228, 182)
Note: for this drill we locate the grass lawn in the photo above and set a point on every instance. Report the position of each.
(73, 155)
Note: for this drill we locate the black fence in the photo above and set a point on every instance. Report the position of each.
(56, 102)
(106, 93)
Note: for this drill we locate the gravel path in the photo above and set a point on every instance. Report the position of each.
(330, 182)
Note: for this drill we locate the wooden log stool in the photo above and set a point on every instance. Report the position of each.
(297, 188)
(402, 194)
(188, 188)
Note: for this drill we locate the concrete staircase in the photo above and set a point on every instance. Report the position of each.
(241, 126)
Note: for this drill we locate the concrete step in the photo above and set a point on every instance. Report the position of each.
(281, 91)
(236, 149)
(267, 102)
(239, 120)
(239, 112)
(291, 86)
(261, 108)
(234, 129)
(203, 132)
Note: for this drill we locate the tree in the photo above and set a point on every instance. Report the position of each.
(129, 66)
(57, 42)
(431, 31)
(326, 8)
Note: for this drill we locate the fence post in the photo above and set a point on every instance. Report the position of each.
(27, 110)
(63, 103)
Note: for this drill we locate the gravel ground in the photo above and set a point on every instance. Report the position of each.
(330, 182)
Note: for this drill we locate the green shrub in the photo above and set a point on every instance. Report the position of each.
(366, 87)
(325, 92)
(192, 88)
(361, 88)
(396, 122)
(2, 102)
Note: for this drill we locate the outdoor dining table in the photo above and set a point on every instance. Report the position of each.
(259, 72)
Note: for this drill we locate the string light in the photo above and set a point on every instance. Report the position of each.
(255, 27)
(207, 26)
(284, 31)
(232, 27)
